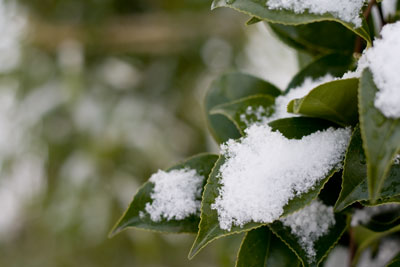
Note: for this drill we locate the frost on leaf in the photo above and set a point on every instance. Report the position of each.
(346, 10)
(176, 194)
(308, 225)
(264, 170)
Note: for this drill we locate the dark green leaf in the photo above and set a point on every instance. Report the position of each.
(355, 184)
(203, 164)
(395, 262)
(322, 246)
(236, 109)
(334, 101)
(261, 248)
(334, 64)
(380, 135)
(384, 220)
(209, 230)
(228, 88)
(260, 10)
(317, 38)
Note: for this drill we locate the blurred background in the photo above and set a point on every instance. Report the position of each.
(97, 95)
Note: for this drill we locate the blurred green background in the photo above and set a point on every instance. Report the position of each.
(94, 97)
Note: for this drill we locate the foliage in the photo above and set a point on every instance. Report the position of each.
(368, 176)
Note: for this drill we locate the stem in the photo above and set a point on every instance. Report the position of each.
(367, 12)
(352, 247)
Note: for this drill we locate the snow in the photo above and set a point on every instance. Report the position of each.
(363, 216)
(264, 170)
(346, 10)
(176, 195)
(254, 115)
(383, 61)
(309, 224)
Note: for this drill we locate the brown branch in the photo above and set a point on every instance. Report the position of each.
(367, 12)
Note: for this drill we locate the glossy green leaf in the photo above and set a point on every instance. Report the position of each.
(355, 183)
(236, 110)
(380, 135)
(335, 101)
(316, 38)
(228, 88)
(203, 164)
(209, 229)
(260, 10)
(334, 64)
(261, 248)
(322, 246)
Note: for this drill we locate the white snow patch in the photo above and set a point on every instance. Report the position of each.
(254, 115)
(309, 224)
(383, 61)
(346, 10)
(363, 216)
(264, 170)
(176, 195)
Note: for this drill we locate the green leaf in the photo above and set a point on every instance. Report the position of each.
(334, 64)
(355, 184)
(209, 229)
(395, 262)
(260, 10)
(322, 246)
(236, 110)
(228, 88)
(203, 164)
(380, 135)
(316, 38)
(384, 221)
(262, 248)
(334, 101)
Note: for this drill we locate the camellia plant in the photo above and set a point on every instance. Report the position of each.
(309, 172)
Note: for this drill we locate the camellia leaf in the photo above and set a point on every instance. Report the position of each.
(227, 88)
(260, 248)
(203, 164)
(334, 64)
(380, 135)
(260, 10)
(238, 111)
(395, 262)
(384, 220)
(209, 229)
(355, 183)
(322, 246)
(334, 101)
(316, 38)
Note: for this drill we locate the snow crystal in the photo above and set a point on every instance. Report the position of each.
(346, 10)
(264, 170)
(383, 61)
(363, 216)
(281, 102)
(254, 115)
(308, 225)
(176, 194)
